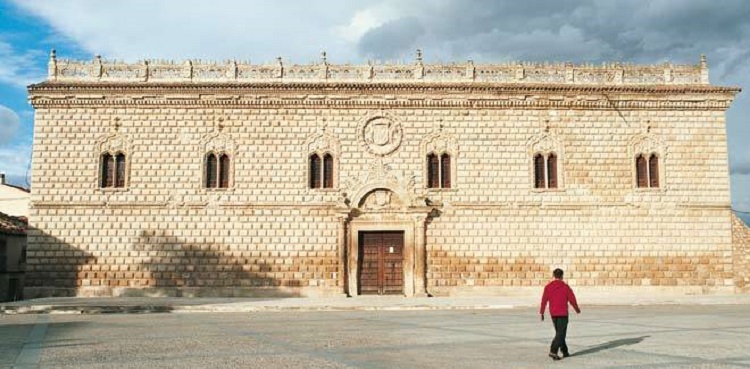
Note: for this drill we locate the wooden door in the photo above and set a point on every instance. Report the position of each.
(381, 257)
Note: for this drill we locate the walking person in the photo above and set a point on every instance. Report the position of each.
(558, 294)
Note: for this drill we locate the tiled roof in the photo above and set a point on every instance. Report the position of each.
(12, 225)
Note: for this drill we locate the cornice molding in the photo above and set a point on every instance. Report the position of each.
(245, 87)
(383, 95)
(581, 104)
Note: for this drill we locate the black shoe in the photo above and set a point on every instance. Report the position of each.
(554, 356)
(565, 354)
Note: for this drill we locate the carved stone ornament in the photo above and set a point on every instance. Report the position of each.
(380, 199)
(321, 143)
(646, 144)
(114, 143)
(381, 135)
(218, 143)
(440, 143)
(544, 143)
(509, 72)
(381, 176)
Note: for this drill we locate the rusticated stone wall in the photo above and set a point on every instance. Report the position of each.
(491, 232)
(741, 239)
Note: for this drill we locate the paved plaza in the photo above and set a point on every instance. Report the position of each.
(658, 336)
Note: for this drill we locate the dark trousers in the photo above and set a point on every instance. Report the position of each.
(561, 329)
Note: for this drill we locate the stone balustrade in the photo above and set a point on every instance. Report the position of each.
(166, 71)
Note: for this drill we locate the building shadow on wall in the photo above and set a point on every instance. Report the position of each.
(610, 345)
(203, 269)
(53, 267)
(156, 264)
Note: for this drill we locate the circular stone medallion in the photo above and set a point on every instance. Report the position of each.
(381, 135)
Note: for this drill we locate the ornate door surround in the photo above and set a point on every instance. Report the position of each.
(384, 204)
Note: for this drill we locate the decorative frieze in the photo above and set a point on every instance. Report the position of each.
(100, 70)
(707, 98)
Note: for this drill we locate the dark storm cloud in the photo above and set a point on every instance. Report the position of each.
(605, 30)
(391, 39)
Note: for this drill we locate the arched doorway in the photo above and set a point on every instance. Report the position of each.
(384, 244)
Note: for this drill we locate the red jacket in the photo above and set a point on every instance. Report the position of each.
(558, 294)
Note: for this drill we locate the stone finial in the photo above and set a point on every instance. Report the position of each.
(667, 72)
(324, 65)
(280, 70)
(704, 69)
(97, 70)
(520, 72)
(370, 70)
(471, 70)
(52, 65)
(146, 71)
(232, 70)
(619, 74)
(419, 72)
(569, 72)
(187, 71)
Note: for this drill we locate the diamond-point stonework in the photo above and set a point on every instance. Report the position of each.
(274, 230)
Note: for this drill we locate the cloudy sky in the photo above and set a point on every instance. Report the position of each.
(357, 31)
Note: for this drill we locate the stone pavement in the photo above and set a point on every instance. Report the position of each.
(80, 305)
(601, 337)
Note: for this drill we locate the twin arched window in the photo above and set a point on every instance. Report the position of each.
(438, 170)
(545, 171)
(647, 171)
(321, 171)
(217, 170)
(113, 170)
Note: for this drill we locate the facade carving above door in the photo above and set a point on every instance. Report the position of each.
(381, 175)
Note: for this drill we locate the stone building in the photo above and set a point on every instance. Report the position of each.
(234, 179)
(12, 256)
(14, 200)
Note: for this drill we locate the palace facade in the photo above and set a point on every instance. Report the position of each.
(234, 179)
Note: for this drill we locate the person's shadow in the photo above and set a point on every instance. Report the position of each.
(610, 345)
